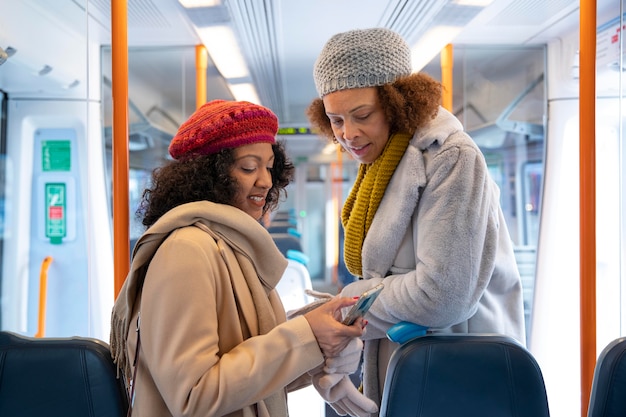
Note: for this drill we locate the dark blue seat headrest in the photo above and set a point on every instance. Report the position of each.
(59, 377)
(463, 375)
(609, 382)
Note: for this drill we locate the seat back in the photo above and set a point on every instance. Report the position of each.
(295, 280)
(463, 375)
(284, 216)
(69, 377)
(285, 242)
(279, 227)
(609, 382)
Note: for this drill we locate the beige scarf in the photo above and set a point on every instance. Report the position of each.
(364, 198)
(258, 281)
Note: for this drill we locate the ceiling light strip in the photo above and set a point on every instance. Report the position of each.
(254, 21)
(412, 19)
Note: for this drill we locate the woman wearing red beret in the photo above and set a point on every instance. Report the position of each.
(198, 327)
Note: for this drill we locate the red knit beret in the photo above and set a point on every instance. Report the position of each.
(221, 124)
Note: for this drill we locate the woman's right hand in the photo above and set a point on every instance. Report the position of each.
(332, 335)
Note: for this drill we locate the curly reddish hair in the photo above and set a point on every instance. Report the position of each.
(409, 103)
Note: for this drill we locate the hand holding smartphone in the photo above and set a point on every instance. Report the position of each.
(363, 304)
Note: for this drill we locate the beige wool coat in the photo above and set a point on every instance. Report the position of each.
(213, 335)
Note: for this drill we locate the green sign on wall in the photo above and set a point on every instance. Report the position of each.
(56, 212)
(56, 155)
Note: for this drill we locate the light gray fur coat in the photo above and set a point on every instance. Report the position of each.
(440, 244)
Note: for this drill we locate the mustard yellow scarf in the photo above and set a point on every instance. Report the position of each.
(368, 190)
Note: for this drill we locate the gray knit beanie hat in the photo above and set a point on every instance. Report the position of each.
(361, 58)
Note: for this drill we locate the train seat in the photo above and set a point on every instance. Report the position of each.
(54, 377)
(292, 284)
(280, 227)
(609, 382)
(286, 241)
(463, 375)
(284, 216)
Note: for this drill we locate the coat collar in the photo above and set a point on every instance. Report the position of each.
(402, 196)
(239, 230)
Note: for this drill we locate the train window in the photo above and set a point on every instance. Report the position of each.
(531, 177)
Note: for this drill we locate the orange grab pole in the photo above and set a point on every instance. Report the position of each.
(121, 241)
(587, 157)
(43, 294)
(202, 62)
(447, 64)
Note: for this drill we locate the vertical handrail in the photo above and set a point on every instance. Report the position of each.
(121, 222)
(43, 296)
(587, 199)
(447, 66)
(202, 62)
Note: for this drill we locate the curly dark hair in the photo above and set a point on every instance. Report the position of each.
(409, 103)
(207, 178)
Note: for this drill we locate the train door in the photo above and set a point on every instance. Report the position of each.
(56, 251)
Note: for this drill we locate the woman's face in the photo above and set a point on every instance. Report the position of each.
(253, 172)
(358, 122)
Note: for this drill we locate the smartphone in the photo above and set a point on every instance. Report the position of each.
(363, 304)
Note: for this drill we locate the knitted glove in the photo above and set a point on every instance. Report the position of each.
(341, 394)
(320, 298)
(348, 360)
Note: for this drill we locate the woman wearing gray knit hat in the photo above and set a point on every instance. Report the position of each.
(423, 216)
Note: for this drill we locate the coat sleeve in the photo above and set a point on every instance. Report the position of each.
(455, 234)
(180, 327)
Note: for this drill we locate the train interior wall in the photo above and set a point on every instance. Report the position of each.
(543, 218)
